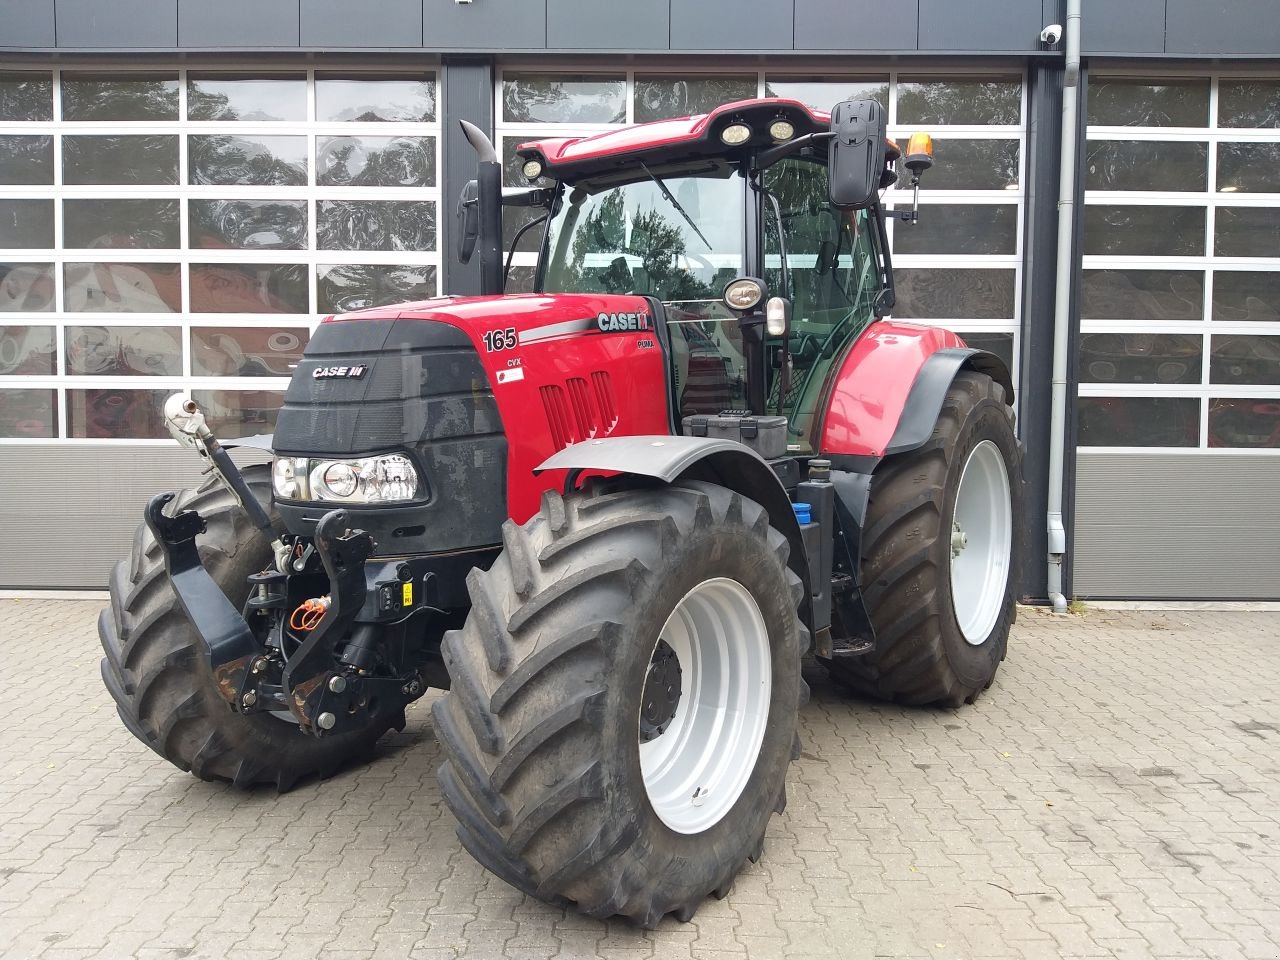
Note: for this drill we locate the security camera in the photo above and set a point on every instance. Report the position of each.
(1051, 34)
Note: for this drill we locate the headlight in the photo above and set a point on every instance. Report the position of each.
(390, 478)
(284, 478)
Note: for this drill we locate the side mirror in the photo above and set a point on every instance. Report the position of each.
(468, 220)
(856, 155)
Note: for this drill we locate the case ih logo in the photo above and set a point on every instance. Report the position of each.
(330, 373)
(621, 322)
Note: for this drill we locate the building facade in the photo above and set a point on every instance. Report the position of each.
(186, 188)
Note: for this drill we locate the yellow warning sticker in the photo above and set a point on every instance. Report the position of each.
(407, 595)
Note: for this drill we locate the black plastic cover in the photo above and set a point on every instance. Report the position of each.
(856, 154)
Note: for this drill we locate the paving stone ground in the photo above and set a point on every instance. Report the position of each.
(1116, 794)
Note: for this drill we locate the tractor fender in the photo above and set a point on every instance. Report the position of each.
(929, 390)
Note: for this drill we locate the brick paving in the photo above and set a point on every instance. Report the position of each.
(1116, 794)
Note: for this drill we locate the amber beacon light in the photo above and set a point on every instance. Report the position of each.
(919, 155)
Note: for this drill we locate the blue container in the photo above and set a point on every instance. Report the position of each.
(802, 513)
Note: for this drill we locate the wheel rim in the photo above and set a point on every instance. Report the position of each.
(981, 542)
(697, 765)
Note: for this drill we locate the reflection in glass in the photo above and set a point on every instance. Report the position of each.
(239, 413)
(119, 160)
(1138, 421)
(1246, 295)
(663, 97)
(247, 160)
(513, 218)
(1249, 103)
(342, 288)
(370, 99)
(26, 287)
(1246, 232)
(1142, 295)
(1149, 103)
(1146, 165)
(26, 224)
(248, 224)
(376, 225)
(113, 412)
(954, 294)
(229, 97)
(1249, 167)
(376, 161)
(26, 96)
(124, 351)
(1140, 357)
(1244, 422)
(26, 161)
(968, 101)
(27, 351)
(970, 165)
(973, 228)
(1245, 360)
(96, 97)
(520, 280)
(249, 288)
(122, 287)
(1001, 344)
(246, 351)
(1138, 231)
(28, 414)
(819, 93)
(563, 98)
(120, 224)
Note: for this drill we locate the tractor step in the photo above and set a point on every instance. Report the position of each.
(850, 648)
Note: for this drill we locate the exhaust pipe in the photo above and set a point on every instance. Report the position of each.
(489, 208)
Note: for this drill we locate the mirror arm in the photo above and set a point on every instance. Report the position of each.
(912, 215)
(767, 158)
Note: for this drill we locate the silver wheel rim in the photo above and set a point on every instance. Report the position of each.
(696, 769)
(981, 543)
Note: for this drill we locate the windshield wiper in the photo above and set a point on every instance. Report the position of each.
(676, 203)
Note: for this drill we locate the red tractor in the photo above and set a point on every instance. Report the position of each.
(610, 518)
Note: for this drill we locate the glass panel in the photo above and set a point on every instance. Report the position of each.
(119, 97)
(249, 161)
(122, 287)
(365, 99)
(1133, 231)
(1246, 232)
(246, 351)
(1138, 422)
(229, 97)
(1249, 167)
(28, 287)
(342, 288)
(28, 414)
(1142, 295)
(249, 288)
(26, 160)
(124, 351)
(113, 412)
(520, 280)
(971, 229)
(1149, 103)
(968, 101)
(1001, 344)
(1244, 422)
(819, 93)
(513, 218)
(122, 161)
(376, 161)
(969, 165)
(27, 351)
(1146, 165)
(26, 224)
(26, 96)
(1245, 360)
(120, 224)
(1140, 357)
(969, 294)
(248, 224)
(1246, 295)
(375, 225)
(563, 98)
(1249, 103)
(239, 413)
(663, 97)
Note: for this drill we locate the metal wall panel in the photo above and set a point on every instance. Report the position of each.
(26, 23)
(1224, 27)
(261, 24)
(637, 25)
(467, 94)
(330, 24)
(979, 25)
(853, 25)
(1177, 526)
(722, 25)
(488, 24)
(121, 23)
(1135, 26)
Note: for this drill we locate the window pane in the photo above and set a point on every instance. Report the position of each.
(970, 165)
(1245, 360)
(1146, 165)
(26, 96)
(27, 351)
(118, 97)
(1249, 103)
(663, 97)
(1249, 167)
(229, 97)
(124, 351)
(976, 100)
(1246, 295)
(1142, 295)
(1138, 422)
(376, 161)
(1147, 103)
(249, 288)
(563, 98)
(26, 160)
(1246, 232)
(248, 224)
(122, 160)
(122, 287)
(118, 224)
(249, 160)
(27, 287)
(1001, 344)
(1140, 357)
(365, 99)
(969, 294)
(239, 413)
(974, 228)
(246, 351)
(1244, 423)
(116, 413)
(1144, 231)
(26, 224)
(342, 288)
(28, 414)
(520, 280)
(376, 225)
(822, 94)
